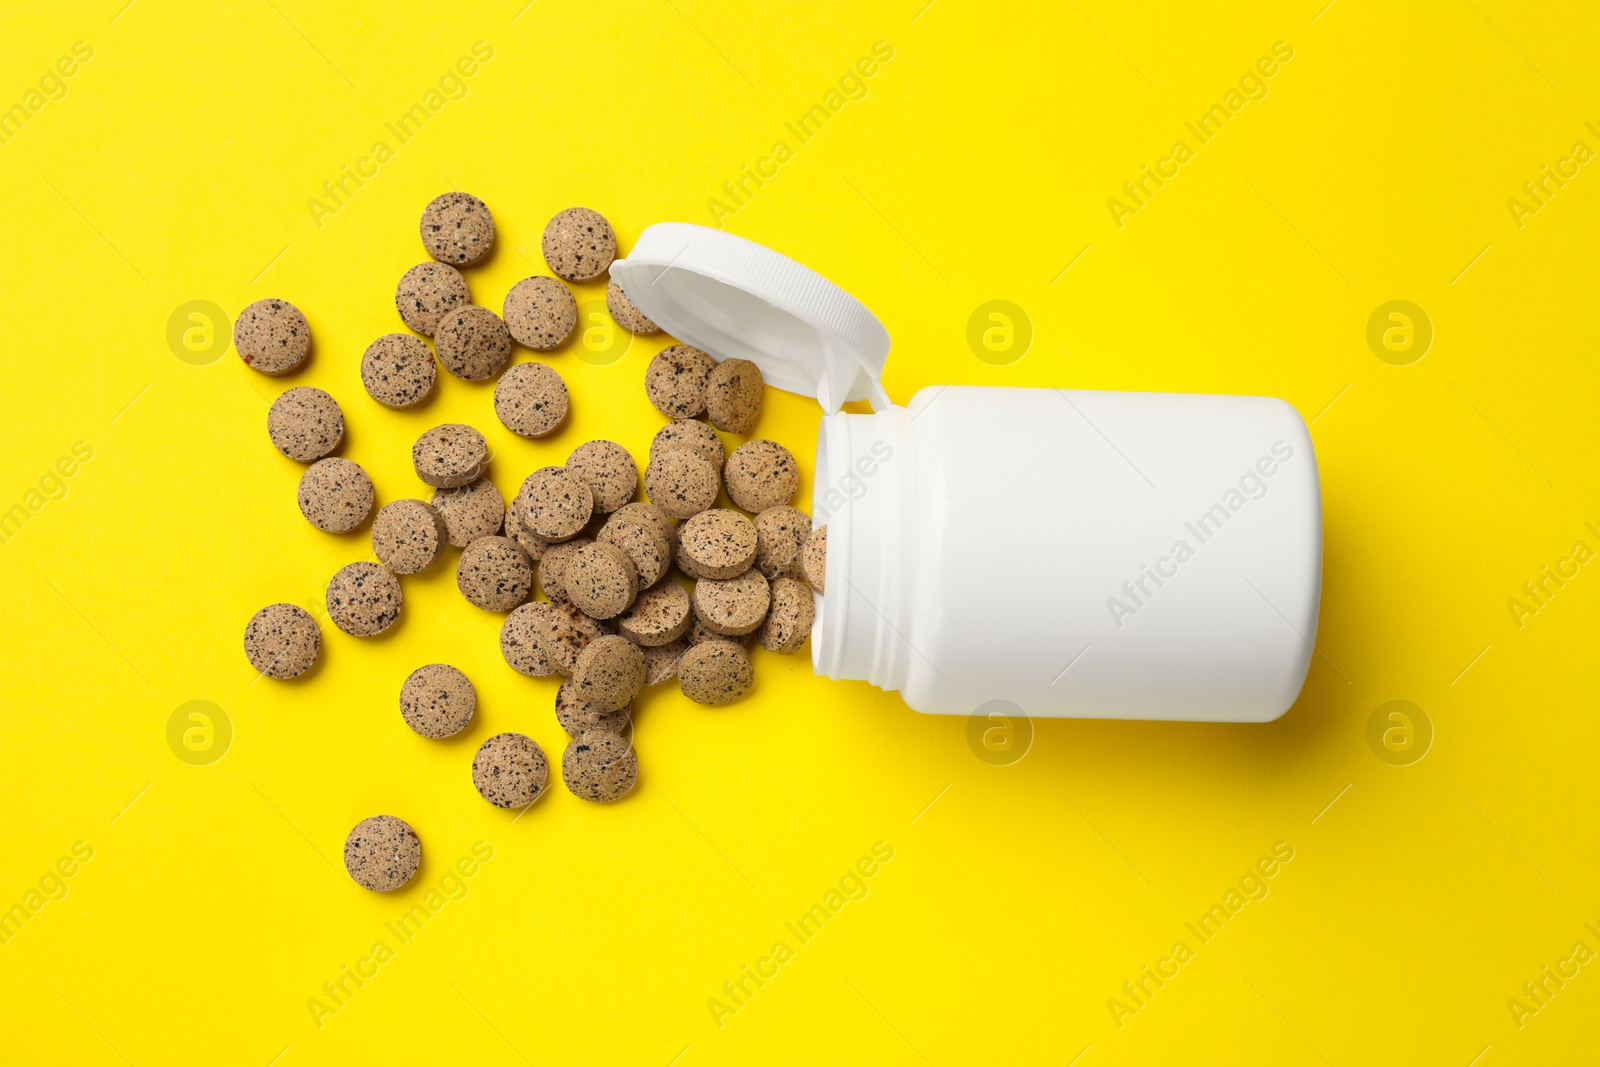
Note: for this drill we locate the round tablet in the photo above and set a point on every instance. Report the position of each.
(608, 470)
(609, 672)
(658, 617)
(271, 336)
(717, 543)
(716, 672)
(579, 244)
(397, 370)
(470, 511)
(780, 534)
(305, 423)
(553, 568)
(335, 495)
(530, 399)
(660, 521)
(382, 853)
(575, 716)
(732, 606)
(563, 632)
(814, 558)
(495, 574)
(676, 380)
(661, 661)
(733, 396)
(510, 770)
(450, 455)
(282, 641)
(426, 292)
(437, 700)
(519, 642)
(681, 482)
(642, 540)
(789, 620)
(555, 504)
(363, 599)
(624, 314)
(600, 580)
(457, 229)
(533, 545)
(761, 475)
(599, 766)
(472, 342)
(407, 535)
(692, 434)
(540, 312)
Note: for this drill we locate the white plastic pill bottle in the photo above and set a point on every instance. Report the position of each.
(1070, 553)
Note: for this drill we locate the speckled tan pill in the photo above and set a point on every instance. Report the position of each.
(609, 672)
(457, 229)
(554, 503)
(609, 471)
(426, 292)
(676, 380)
(533, 545)
(472, 342)
(449, 455)
(470, 511)
(382, 853)
(579, 244)
(681, 482)
(733, 396)
(661, 661)
(761, 475)
(575, 716)
(716, 672)
(789, 620)
(732, 606)
(692, 434)
(305, 423)
(599, 766)
(642, 540)
(397, 370)
(335, 495)
(282, 641)
(717, 543)
(407, 535)
(271, 336)
(531, 400)
(519, 641)
(654, 517)
(540, 312)
(553, 568)
(601, 580)
(363, 599)
(563, 632)
(814, 558)
(624, 314)
(437, 700)
(781, 533)
(495, 574)
(510, 771)
(658, 617)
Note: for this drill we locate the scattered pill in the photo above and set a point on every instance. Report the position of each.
(601, 580)
(692, 434)
(732, 606)
(579, 244)
(282, 641)
(658, 617)
(457, 229)
(449, 455)
(305, 423)
(540, 312)
(363, 599)
(473, 343)
(382, 853)
(639, 536)
(761, 475)
(733, 396)
(398, 370)
(608, 470)
(575, 716)
(437, 701)
(530, 399)
(519, 641)
(426, 292)
(407, 535)
(271, 336)
(715, 672)
(609, 672)
(781, 533)
(510, 771)
(681, 482)
(789, 620)
(624, 314)
(717, 543)
(553, 568)
(335, 495)
(470, 511)
(676, 381)
(554, 503)
(599, 766)
(495, 574)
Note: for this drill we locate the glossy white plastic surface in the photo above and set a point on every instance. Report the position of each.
(1072, 553)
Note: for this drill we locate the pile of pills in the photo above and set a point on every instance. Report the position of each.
(636, 593)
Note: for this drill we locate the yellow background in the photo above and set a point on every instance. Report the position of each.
(977, 166)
